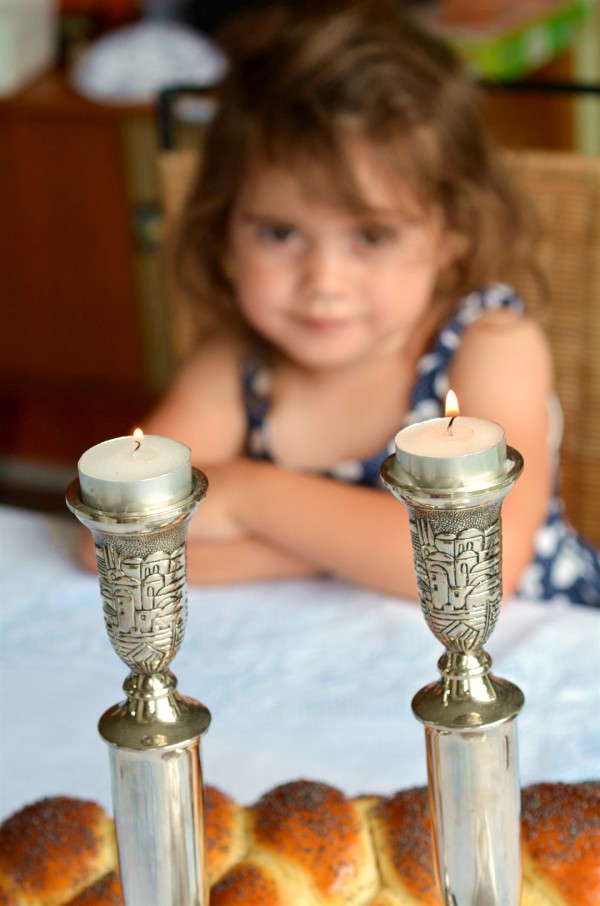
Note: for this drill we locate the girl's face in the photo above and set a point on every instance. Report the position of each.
(326, 286)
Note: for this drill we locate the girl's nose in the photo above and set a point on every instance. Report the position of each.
(324, 273)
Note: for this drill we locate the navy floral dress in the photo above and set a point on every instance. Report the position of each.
(565, 566)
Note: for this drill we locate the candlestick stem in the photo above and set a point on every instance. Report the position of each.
(154, 735)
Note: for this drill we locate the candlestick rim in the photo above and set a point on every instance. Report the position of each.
(403, 485)
(151, 516)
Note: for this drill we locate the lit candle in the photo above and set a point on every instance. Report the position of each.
(452, 452)
(135, 474)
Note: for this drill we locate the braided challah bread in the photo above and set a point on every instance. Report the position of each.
(51, 850)
(303, 844)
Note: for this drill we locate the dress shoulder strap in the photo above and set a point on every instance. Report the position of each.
(432, 384)
(256, 380)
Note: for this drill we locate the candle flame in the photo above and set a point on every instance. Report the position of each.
(452, 409)
(137, 437)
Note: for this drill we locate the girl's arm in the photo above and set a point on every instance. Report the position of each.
(503, 373)
(261, 521)
(244, 559)
(359, 534)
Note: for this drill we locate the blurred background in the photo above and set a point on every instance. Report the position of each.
(86, 341)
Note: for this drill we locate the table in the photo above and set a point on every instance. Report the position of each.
(305, 679)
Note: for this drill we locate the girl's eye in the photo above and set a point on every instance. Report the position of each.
(276, 232)
(374, 236)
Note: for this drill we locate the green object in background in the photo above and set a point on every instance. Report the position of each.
(523, 48)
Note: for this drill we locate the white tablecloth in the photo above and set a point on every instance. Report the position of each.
(306, 679)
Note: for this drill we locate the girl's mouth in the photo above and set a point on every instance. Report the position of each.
(322, 325)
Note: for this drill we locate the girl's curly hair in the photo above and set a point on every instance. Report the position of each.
(304, 82)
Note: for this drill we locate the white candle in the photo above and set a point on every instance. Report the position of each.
(437, 454)
(135, 474)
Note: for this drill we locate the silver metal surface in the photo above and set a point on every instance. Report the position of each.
(154, 715)
(457, 561)
(475, 809)
(141, 570)
(467, 491)
(154, 735)
(159, 815)
(468, 713)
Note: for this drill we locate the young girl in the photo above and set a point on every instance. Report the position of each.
(347, 239)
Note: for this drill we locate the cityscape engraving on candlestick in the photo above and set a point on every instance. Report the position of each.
(458, 573)
(145, 605)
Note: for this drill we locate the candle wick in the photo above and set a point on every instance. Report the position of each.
(449, 428)
(138, 444)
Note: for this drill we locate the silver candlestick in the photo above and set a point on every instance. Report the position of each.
(469, 714)
(154, 735)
